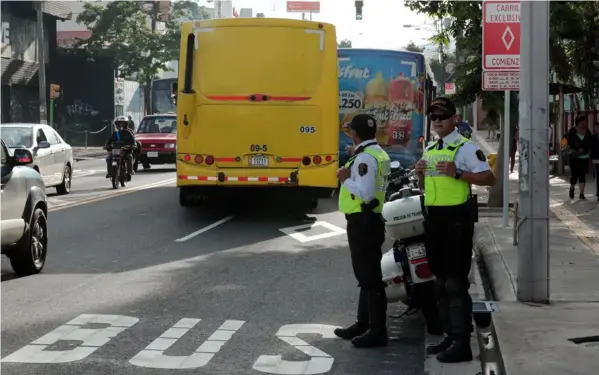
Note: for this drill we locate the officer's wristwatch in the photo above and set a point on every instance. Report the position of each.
(458, 173)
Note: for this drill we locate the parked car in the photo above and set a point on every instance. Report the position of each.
(24, 230)
(157, 140)
(52, 156)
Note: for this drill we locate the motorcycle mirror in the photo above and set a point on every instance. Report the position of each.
(395, 164)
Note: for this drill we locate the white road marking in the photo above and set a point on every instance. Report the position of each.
(90, 339)
(205, 229)
(153, 355)
(320, 362)
(83, 173)
(113, 193)
(293, 231)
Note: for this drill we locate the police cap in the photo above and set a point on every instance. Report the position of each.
(364, 125)
(442, 103)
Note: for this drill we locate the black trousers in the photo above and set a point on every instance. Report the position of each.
(578, 170)
(366, 235)
(449, 232)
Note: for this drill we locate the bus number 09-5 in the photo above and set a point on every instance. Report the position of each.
(258, 148)
(307, 129)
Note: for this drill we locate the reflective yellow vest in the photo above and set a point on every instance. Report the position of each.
(439, 189)
(350, 204)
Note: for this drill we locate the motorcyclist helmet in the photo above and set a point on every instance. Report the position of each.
(121, 122)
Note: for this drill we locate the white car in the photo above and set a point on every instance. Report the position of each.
(52, 156)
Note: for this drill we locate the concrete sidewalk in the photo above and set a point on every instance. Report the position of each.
(534, 339)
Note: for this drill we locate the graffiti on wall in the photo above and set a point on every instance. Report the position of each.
(81, 109)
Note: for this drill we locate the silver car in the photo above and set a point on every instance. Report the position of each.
(24, 226)
(52, 156)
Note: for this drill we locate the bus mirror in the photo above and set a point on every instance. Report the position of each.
(187, 107)
(174, 92)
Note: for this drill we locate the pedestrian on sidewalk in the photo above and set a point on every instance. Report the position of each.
(361, 196)
(491, 129)
(448, 169)
(514, 148)
(595, 155)
(579, 143)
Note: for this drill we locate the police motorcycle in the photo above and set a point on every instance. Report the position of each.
(400, 178)
(405, 266)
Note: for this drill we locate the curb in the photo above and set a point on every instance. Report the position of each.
(434, 367)
(501, 281)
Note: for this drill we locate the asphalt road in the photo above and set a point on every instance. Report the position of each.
(135, 284)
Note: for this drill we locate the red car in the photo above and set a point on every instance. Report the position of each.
(157, 140)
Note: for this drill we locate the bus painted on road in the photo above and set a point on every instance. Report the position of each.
(257, 108)
(390, 85)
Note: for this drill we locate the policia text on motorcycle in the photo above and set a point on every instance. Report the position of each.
(361, 198)
(448, 168)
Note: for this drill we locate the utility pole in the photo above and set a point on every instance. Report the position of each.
(533, 221)
(41, 54)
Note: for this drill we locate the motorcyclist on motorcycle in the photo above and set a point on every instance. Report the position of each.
(125, 135)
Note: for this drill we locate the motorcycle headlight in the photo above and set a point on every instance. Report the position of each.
(170, 145)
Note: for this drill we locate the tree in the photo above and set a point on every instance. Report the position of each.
(412, 47)
(345, 43)
(127, 31)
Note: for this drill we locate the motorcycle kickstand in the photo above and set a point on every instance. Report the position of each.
(408, 312)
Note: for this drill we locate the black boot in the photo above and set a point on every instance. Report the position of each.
(460, 315)
(361, 324)
(376, 335)
(440, 346)
(459, 351)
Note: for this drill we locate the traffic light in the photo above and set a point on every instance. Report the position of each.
(359, 5)
(54, 91)
(174, 92)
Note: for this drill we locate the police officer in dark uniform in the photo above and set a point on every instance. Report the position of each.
(448, 169)
(361, 198)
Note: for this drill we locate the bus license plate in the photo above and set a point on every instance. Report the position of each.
(152, 154)
(259, 161)
(417, 252)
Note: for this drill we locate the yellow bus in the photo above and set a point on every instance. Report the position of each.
(257, 107)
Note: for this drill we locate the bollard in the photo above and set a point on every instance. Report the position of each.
(85, 134)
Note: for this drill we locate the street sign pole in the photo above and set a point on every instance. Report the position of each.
(501, 64)
(533, 233)
(506, 138)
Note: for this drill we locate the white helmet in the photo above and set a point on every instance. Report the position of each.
(120, 119)
(393, 276)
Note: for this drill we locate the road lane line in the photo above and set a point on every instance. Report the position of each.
(205, 229)
(112, 194)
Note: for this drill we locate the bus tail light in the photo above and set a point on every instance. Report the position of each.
(199, 159)
(187, 157)
(209, 159)
(306, 160)
(328, 158)
(317, 159)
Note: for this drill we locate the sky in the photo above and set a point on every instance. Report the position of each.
(381, 26)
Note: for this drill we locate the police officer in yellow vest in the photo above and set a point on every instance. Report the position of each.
(448, 168)
(361, 198)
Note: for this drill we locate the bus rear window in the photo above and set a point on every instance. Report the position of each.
(263, 60)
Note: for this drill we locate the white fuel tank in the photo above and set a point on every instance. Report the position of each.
(403, 218)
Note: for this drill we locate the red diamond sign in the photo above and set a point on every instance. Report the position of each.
(501, 35)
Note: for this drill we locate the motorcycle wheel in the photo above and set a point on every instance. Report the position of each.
(122, 175)
(114, 177)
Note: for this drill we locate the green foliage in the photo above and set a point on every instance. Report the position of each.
(412, 47)
(345, 43)
(133, 34)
